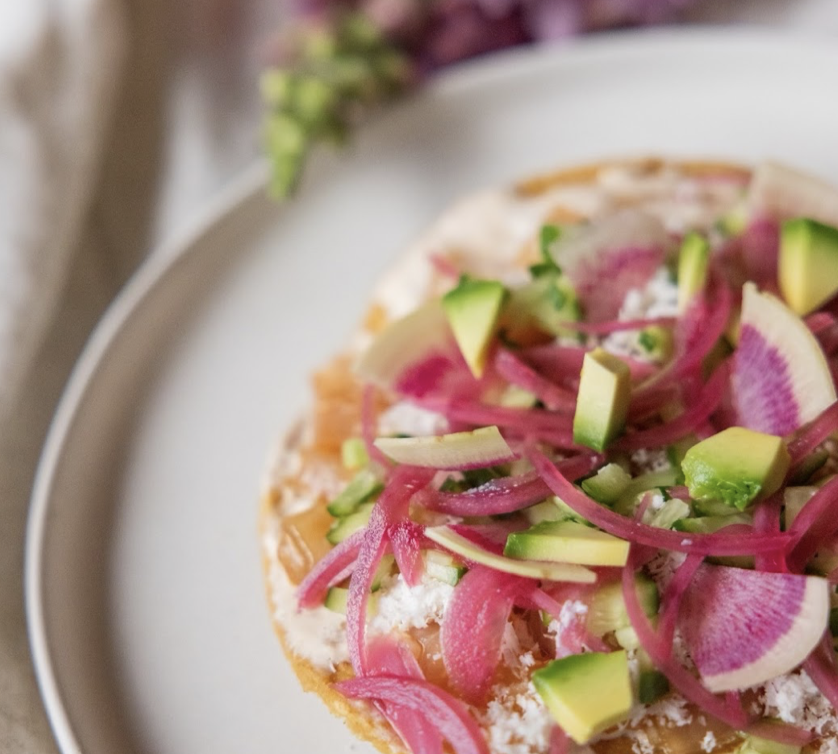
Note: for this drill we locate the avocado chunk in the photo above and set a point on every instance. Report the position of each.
(693, 260)
(736, 466)
(472, 310)
(552, 509)
(586, 693)
(545, 304)
(808, 264)
(607, 484)
(603, 401)
(567, 542)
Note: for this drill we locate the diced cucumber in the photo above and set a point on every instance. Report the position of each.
(553, 509)
(348, 525)
(353, 454)
(443, 567)
(607, 484)
(363, 486)
(385, 568)
(628, 500)
(607, 610)
(337, 597)
(672, 511)
(651, 686)
(710, 524)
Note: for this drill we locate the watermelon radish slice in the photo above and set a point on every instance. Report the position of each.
(782, 192)
(745, 627)
(625, 249)
(781, 378)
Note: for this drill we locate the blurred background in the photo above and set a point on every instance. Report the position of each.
(120, 119)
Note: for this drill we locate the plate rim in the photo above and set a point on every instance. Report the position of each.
(246, 185)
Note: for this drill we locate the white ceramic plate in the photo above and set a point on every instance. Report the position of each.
(144, 588)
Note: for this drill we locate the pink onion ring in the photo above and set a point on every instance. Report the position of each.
(473, 627)
(517, 372)
(448, 714)
(328, 571)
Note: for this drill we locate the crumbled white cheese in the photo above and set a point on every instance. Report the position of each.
(517, 721)
(404, 418)
(708, 743)
(401, 606)
(570, 612)
(795, 699)
(658, 298)
(650, 460)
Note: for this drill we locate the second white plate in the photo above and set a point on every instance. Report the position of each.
(148, 623)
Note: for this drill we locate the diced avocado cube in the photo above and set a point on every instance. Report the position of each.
(472, 310)
(603, 400)
(607, 609)
(808, 264)
(651, 686)
(607, 484)
(736, 466)
(567, 542)
(546, 304)
(353, 454)
(693, 261)
(586, 693)
(347, 525)
(363, 486)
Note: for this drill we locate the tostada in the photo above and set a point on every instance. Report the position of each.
(573, 484)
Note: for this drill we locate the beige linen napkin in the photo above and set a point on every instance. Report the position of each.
(59, 63)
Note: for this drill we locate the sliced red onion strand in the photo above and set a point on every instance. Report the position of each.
(820, 665)
(671, 602)
(473, 627)
(328, 571)
(517, 372)
(767, 521)
(815, 524)
(407, 540)
(390, 511)
(506, 494)
(680, 678)
(814, 434)
(559, 742)
(706, 403)
(448, 714)
(720, 543)
(386, 656)
(783, 733)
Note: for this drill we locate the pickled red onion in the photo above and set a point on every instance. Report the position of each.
(635, 531)
(473, 627)
(517, 372)
(450, 717)
(655, 646)
(328, 571)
